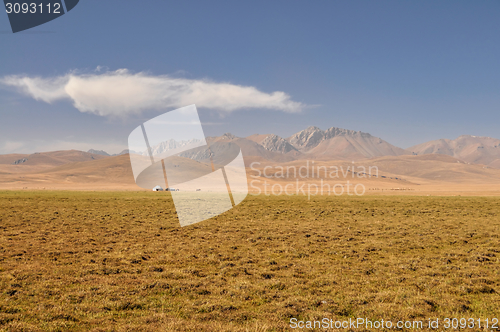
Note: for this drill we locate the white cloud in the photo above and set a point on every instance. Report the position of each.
(120, 93)
(47, 90)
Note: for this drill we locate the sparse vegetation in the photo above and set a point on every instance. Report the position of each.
(118, 261)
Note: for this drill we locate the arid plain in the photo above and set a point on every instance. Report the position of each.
(118, 261)
(416, 175)
(82, 248)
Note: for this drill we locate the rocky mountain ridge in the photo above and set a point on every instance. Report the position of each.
(344, 144)
(312, 136)
(469, 148)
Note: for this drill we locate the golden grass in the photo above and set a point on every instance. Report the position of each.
(118, 261)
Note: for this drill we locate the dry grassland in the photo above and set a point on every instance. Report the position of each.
(118, 261)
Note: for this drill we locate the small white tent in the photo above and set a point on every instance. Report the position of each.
(157, 188)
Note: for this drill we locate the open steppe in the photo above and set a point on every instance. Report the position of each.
(406, 174)
(118, 261)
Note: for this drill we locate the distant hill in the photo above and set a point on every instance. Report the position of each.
(100, 152)
(52, 159)
(104, 153)
(12, 159)
(471, 149)
(126, 151)
(103, 173)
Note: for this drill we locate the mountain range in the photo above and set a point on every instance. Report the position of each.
(471, 149)
(311, 143)
(460, 166)
(343, 144)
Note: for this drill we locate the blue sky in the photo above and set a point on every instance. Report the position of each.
(405, 71)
